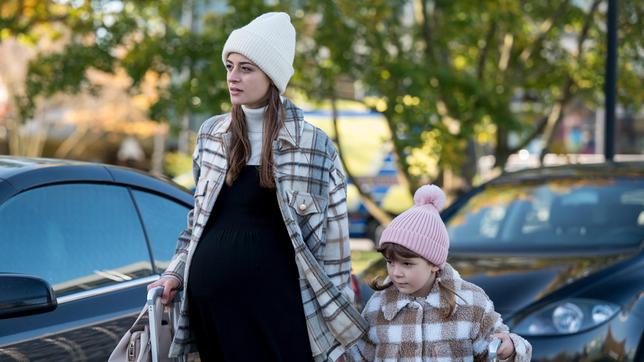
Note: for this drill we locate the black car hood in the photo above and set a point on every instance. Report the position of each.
(514, 282)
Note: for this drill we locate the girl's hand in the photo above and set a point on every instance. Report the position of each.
(170, 288)
(506, 349)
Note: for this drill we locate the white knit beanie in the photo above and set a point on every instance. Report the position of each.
(269, 42)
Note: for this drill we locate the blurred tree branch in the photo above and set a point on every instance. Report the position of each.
(455, 79)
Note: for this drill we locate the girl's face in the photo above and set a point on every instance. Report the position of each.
(247, 84)
(413, 276)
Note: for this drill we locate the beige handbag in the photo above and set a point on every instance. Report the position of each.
(147, 343)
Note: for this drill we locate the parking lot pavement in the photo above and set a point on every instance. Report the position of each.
(361, 244)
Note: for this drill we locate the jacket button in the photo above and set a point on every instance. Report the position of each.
(302, 207)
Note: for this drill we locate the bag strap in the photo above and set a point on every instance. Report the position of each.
(138, 319)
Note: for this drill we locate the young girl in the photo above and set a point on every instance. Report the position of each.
(264, 263)
(424, 310)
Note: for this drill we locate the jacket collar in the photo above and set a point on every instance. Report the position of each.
(291, 132)
(394, 301)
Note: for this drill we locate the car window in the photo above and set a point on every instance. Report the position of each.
(558, 213)
(75, 236)
(164, 219)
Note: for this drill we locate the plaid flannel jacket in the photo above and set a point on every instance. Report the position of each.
(311, 194)
(405, 328)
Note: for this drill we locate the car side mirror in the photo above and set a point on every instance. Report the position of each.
(24, 295)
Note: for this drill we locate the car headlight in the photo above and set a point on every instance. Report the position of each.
(566, 317)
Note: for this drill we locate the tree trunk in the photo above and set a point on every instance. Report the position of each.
(187, 21)
(158, 149)
(374, 210)
(557, 113)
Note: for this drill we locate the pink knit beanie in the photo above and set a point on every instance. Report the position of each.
(420, 228)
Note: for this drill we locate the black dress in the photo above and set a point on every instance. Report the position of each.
(243, 289)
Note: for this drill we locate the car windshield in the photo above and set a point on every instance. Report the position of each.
(552, 214)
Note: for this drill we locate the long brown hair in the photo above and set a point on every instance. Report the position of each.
(240, 148)
(392, 251)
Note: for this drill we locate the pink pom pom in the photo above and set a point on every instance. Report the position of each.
(430, 194)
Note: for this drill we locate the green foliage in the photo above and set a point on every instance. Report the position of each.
(446, 73)
(445, 69)
(361, 259)
(175, 164)
(143, 37)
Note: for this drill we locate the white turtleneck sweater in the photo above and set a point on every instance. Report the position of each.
(255, 126)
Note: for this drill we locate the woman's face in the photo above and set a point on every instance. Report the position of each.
(247, 84)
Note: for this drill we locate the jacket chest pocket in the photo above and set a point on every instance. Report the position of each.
(310, 213)
(305, 203)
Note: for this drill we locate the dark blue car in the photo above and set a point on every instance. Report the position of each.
(79, 242)
(560, 251)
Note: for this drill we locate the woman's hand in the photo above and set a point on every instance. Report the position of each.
(506, 349)
(170, 287)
